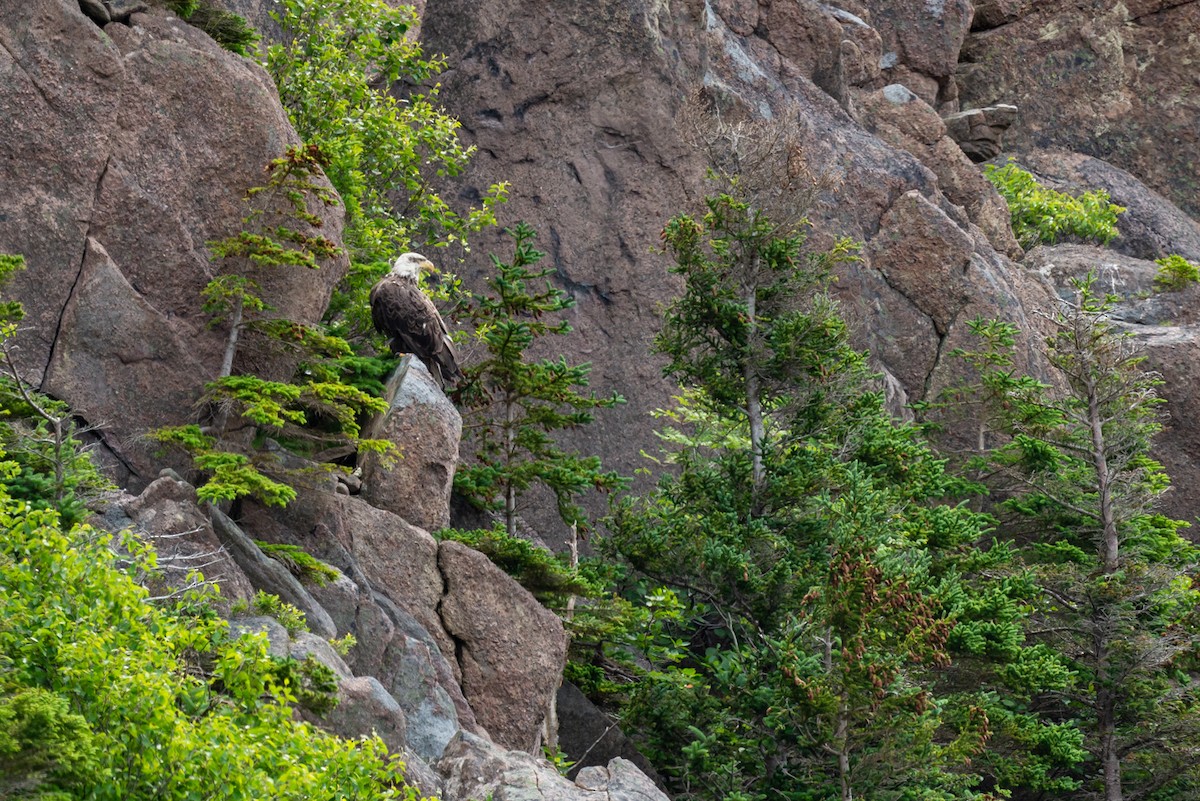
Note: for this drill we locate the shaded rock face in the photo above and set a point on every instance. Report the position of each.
(979, 132)
(511, 648)
(1114, 80)
(132, 146)
(590, 737)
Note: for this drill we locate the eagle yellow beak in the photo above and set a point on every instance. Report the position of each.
(427, 268)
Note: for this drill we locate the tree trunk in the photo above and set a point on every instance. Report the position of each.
(754, 401)
(841, 736)
(510, 450)
(1109, 542)
(1106, 723)
(235, 329)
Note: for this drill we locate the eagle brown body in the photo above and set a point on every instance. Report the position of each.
(401, 311)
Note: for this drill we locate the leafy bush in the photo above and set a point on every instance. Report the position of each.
(229, 30)
(164, 703)
(290, 617)
(1041, 215)
(1176, 273)
(335, 71)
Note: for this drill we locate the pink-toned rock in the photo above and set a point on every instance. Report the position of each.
(133, 147)
(994, 13)
(924, 256)
(980, 131)
(1114, 80)
(380, 552)
(426, 428)
(511, 648)
(902, 119)
(921, 44)
(585, 123)
(474, 768)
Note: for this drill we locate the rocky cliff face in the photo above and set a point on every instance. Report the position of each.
(578, 104)
(125, 151)
(127, 148)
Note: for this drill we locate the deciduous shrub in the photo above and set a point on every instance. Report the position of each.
(1041, 215)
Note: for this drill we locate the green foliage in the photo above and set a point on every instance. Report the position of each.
(53, 469)
(229, 30)
(107, 696)
(733, 257)
(335, 71)
(1113, 615)
(514, 404)
(1041, 215)
(314, 683)
(815, 600)
(558, 759)
(1175, 273)
(299, 562)
(184, 8)
(291, 618)
(546, 575)
(11, 311)
(316, 412)
(51, 474)
(231, 475)
(44, 747)
(343, 645)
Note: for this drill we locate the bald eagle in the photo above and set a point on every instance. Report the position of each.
(401, 311)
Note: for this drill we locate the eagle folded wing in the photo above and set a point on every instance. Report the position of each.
(401, 311)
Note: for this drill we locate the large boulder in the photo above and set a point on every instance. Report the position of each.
(903, 120)
(133, 146)
(511, 648)
(389, 600)
(415, 483)
(921, 43)
(269, 575)
(166, 513)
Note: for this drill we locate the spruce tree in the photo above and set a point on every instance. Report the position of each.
(1115, 603)
(514, 404)
(823, 572)
(314, 411)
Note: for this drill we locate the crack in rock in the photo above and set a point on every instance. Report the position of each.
(87, 238)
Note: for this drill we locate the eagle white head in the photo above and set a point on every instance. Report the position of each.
(411, 265)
